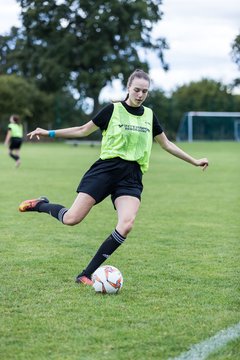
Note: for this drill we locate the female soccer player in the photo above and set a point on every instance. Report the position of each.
(128, 129)
(14, 138)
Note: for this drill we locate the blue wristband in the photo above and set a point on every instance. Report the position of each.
(52, 133)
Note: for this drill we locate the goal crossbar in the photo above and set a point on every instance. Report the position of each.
(218, 114)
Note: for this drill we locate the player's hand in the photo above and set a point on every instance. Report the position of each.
(203, 163)
(38, 132)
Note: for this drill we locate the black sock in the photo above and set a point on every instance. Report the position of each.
(105, 250)
(15, 157)
(55, 210)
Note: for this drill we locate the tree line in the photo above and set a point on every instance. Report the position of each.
(67, 51)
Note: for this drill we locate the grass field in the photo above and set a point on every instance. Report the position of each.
(180, 264)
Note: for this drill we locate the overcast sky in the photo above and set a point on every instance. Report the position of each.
(199, 33)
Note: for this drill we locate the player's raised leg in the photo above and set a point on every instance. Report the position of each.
(77, 212)
(79, 209)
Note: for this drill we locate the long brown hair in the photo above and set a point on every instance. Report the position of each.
(16, 119)
(138, 73)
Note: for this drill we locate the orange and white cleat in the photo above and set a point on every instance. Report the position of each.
(31, 205)
(84, 280)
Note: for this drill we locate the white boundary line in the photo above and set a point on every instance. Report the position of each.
(203, 349)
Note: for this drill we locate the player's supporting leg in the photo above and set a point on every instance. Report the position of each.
(18, 160)
(13, 156)
(77, 212)
(127, 208)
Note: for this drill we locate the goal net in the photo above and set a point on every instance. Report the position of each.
(204, 125)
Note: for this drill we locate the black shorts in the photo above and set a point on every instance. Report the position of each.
(115, 177)
(15, 143)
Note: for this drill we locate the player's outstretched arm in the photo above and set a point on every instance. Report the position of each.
(72, 132)
(176, 151)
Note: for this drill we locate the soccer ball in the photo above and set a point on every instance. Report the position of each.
(107, 280)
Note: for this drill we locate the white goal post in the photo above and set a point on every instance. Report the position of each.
(207, 125)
